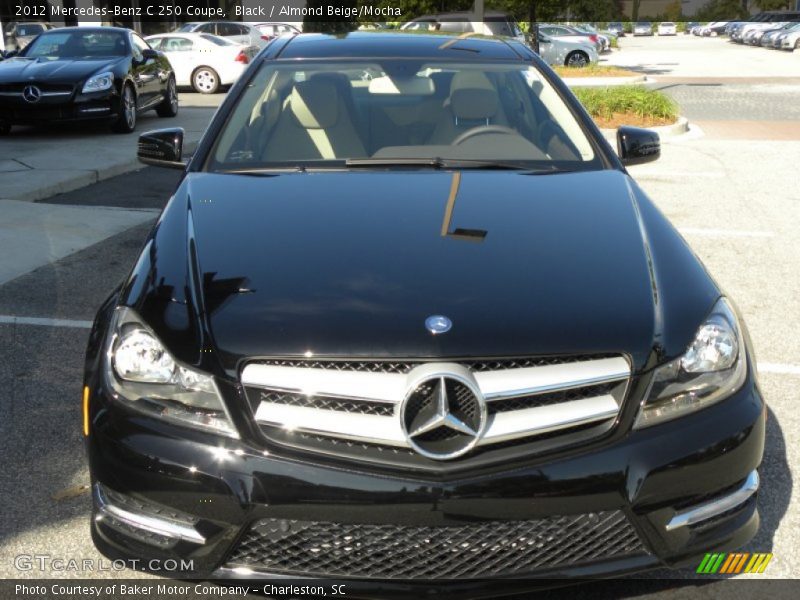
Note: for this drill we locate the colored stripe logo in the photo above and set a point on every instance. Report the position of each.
(734, 563)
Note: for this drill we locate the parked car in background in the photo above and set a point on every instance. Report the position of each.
(603, 37)
(790, 40)
(690, 26)
(715, 29)
(765, 20)
(273, 30)
(241, 33)
(19, 35)
(667, 28)
(495, 23)
(643, 28)
(570, 33)
(86, 73)
(204, 61)
(616, 28)
(570, 52)
(769, 36)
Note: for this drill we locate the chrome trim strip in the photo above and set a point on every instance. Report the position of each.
(376, 429)
(497, 385)
(354, 426)
(163, 527)
(43, 94)
(386, 387)
(707, 510)
(529, 422)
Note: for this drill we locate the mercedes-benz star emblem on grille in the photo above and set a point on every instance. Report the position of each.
(31, 94)
(437, 324)
(444, 414)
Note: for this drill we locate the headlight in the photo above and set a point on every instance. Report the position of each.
(712, 368)
(98, 83)
(144, 375)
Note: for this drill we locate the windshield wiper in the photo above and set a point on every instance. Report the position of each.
(433, 163)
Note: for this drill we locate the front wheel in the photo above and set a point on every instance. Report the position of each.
(577, 59)
(169, 107)
(126, 122)
(205, 80)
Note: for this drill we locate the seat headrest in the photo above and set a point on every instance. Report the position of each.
(315, 104)
(472, 96)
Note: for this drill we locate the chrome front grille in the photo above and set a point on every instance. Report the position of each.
(359, 402)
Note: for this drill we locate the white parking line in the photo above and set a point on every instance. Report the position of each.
(43, 322)
(725, 232)
(778, 368)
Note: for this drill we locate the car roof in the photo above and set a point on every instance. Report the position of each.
(394, 44)
(88, 29)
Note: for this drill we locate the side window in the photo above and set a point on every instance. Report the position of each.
(156, 43)
(242, 30)
(227, 29)
(455, 26)
(208, 28)
(137, 46)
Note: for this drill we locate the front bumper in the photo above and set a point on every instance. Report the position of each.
(14, 110)
(241, 498)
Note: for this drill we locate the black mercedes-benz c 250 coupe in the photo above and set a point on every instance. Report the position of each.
(85, 73)
(408, 317)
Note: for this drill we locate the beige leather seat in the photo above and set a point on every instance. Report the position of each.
(314, 124)
(473, 102)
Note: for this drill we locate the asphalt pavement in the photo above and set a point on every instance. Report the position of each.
(734, 198)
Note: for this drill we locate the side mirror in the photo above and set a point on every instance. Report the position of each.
(149, 54)
(637, 146)
(162, 148)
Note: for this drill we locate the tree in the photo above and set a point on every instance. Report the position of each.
(672, 12)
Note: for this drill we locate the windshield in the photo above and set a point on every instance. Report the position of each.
(77, 44)
(329, 114)
(217, 40)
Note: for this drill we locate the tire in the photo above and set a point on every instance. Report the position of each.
(205, 80)
(577, 59)
(169, 107)
(126, 122)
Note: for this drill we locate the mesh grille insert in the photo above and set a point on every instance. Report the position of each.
(404, 366)
(484, 549)
(366, 407)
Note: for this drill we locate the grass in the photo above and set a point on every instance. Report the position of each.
(594, 70)
(628, 105)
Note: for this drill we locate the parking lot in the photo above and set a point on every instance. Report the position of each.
(730, 186)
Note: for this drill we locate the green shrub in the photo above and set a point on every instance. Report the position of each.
(627, 99)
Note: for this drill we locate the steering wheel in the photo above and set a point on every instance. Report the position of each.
(481, 130)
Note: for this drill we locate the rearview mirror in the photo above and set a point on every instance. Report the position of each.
(637, 146)
(162, 148)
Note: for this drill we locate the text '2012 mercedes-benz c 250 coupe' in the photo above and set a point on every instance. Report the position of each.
(408, 317)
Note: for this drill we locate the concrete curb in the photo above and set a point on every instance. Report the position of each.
(605, 81)
(678, 128)
(83, 179)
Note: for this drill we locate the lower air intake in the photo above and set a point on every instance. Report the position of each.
(486, 549)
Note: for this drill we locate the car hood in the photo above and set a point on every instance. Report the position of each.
(352, 263)
(20, 69)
